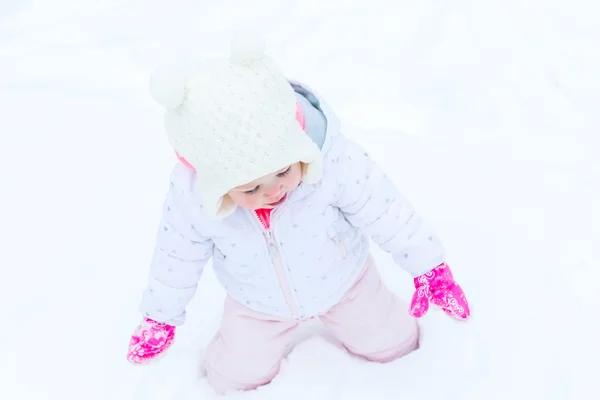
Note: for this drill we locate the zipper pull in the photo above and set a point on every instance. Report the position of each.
(269, 236)
(341, 246)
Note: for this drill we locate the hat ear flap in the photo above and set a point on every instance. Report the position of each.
(312, 172)
(226, 206)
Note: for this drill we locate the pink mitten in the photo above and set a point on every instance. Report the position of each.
(438, 287)
(150, 339)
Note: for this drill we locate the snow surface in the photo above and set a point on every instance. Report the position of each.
(484, 112)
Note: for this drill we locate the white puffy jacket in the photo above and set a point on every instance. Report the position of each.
(317, 245)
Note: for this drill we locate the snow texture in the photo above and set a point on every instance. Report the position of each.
(484, 113)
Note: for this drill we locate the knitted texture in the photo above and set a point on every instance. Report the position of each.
(299, 118)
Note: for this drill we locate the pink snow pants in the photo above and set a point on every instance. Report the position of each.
(369, 321)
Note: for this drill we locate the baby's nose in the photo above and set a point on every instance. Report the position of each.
(274, 191)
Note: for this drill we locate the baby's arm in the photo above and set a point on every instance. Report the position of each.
(180, 254)
(371, 202)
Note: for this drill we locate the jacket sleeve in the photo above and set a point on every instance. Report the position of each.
(180, 253)
(371, 202)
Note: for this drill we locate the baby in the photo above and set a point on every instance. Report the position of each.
(286, 207)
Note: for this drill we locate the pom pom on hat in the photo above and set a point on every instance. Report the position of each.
(167, 86)
(247, 46)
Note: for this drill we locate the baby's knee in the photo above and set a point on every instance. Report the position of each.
(228, 371)
(389, 346)
(224, 380)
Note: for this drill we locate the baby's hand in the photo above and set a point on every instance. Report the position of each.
(150, 339)
(438, 287)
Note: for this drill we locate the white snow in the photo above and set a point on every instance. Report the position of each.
(485, 113)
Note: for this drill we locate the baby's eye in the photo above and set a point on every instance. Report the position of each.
(252, 191)
(284, 173)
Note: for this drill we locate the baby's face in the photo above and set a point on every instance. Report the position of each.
(268, 191)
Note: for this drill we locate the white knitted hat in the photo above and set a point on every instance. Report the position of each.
(234, 121)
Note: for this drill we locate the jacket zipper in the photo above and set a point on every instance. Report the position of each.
(278, 264)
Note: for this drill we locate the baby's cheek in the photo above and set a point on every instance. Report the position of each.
(241, 200)
(293, 179)
(248, 202)
(254, 203)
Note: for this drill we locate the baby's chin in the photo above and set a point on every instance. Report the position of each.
(273, 205)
